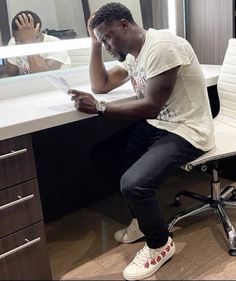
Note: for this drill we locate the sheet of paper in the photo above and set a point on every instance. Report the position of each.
(58, 82)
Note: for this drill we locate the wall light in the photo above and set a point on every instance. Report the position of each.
(44, 47)
(172, 15)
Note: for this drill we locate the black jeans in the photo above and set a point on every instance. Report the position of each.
(152, 156)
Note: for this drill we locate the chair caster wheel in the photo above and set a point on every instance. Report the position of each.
(233, 196)
(176, 203)
(232, 252)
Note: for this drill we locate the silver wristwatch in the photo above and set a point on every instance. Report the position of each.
(101, 107)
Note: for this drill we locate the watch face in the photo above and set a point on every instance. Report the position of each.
(101, 106)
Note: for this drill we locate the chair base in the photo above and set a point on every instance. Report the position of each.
(216, 202)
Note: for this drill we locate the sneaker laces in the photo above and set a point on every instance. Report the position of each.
(132, 227)
(143, 256)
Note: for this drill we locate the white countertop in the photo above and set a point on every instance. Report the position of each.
(211, 73)
(29, 112)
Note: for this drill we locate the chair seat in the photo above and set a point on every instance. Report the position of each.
(225, 138)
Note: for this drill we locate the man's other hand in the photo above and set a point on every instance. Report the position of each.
(84, 102)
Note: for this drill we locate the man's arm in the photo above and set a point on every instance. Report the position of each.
(38, 64)
(157, 92)
(103, 81)
(11, 70)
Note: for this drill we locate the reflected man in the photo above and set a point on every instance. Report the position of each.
(26, 29)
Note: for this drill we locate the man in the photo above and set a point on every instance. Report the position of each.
(26, 28)
(176, 124)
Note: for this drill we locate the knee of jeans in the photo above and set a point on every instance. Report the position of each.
(127, 186)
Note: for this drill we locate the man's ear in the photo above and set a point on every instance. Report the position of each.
(38, 27)
(124, 24)
(14, 35)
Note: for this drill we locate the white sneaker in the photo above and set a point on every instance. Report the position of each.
(148, 261)
(130, 233)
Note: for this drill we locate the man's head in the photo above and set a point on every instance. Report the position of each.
(111, 12)
(26, 26)
(35, 17)
(111, 24)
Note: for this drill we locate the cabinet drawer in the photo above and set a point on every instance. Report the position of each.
(20, 206)
(16, 161)
(23, 255)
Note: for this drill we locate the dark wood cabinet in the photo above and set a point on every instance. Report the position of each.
(19, 207)
(16, 161)
(23, 254)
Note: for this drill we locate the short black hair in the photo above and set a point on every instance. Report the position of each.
(110, 12)
(26, 12)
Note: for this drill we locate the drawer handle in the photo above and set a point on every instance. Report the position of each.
(17, 249)
(16, 202)
(13, 153)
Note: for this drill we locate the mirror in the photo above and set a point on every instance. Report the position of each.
(72, 15)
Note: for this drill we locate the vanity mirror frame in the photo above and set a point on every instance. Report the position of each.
(148, 10)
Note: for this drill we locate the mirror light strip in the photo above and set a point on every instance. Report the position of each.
(44, 47)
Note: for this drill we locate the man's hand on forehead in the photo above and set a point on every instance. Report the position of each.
(26, 22)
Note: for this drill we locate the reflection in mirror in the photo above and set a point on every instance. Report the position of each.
(67, 18)
(55, 14)
(26, 29)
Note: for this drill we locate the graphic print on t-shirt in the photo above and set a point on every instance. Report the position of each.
(138, 80)
(23, 65)
(166, 113)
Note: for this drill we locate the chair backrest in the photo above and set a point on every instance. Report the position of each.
(227, 85)
(225, 122)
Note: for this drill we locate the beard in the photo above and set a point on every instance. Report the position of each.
(121, 57)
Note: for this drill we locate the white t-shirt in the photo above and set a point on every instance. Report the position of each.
(187, 112)
(22, 62)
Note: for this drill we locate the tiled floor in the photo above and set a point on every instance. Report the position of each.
(81, 245)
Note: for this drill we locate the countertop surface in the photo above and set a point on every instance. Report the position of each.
(30, 112)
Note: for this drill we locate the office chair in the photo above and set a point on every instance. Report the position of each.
(225, 136)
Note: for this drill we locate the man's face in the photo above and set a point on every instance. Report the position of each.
(112, 35)
(27, 32)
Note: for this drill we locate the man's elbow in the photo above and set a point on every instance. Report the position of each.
(153, 110)
(98, 91)
(8, 73)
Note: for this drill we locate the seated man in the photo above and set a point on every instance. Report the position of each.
(26, 28)
(175, 120)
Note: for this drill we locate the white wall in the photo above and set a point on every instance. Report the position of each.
(70, 15)
(44, 8)
(55, 14)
